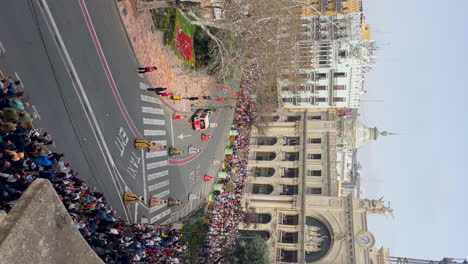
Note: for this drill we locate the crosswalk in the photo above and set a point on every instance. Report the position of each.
(157, 174)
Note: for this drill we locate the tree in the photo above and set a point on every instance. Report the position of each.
(248, 250)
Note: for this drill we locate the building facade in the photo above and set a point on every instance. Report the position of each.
(331, 7)
(293, 191)
(334, 54)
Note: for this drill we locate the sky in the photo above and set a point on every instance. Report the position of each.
(421, 75)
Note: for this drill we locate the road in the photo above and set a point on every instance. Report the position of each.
(79, 71)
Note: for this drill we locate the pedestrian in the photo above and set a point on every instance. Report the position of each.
(157, 89)
(147, 69)
(220, 99)
(164, 94)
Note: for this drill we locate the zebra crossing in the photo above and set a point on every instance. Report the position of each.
(157, 174)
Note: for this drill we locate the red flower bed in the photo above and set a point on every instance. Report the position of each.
(183, 44)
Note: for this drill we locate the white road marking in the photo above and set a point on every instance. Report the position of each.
(144, 86)
(160, 216)
(3, 50)
(18, 78)
(143, 174)
(37, 112)
(156, 208)
(144, 220)
(162, 142)
(172, 133)
(154, 165)
(150, 99)
(168, 221)
(162, 194)
(152, 110)
(157, 175)
(136, 212)
(153, 121)
(182, 136)
(149, 132)
(84, 101)
(155, 154)
(158, 185)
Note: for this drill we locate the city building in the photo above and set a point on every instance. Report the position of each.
(331, 7)
(292, 196)
(382, 256)
(335, 52)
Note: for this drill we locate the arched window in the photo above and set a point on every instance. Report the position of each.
(262, 188)
(269, 118)
(266, 141)
(264, 155)
(258, 218)
(263, 172)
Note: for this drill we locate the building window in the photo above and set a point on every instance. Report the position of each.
(262, 155)
(293, 118)
(262, 188)
(339, 87)
(258, 218)
(285, 88)
(290, 173)
(316, 117)
(288, 237)
(264, 172)
(320, 87)
(320, 99)
(291, 156)
(316, 173)
(290, 190)
(338, 99)
(266, 141)
(319, 76)
(291, 141)
(342, 53)
(314, 191)
(287, 100)
(314, 140)
(268, 118)
(314, 156)
(290, 219)
(339, 74)
(289, 256)
(303, 100)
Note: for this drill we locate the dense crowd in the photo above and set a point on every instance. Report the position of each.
(24, 156)
(226, 211)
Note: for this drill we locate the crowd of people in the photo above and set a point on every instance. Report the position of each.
(226, 213)
(24, 156)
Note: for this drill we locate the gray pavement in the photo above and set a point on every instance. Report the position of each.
(94, 103)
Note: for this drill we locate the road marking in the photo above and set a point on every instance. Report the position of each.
(155, 154)
(172, 133)
(18, 78)
(136, 213)
(143, 174)
(153, 121)
(162, 194)
(156, 208)
(160, 216)
(144, 220)
(37, 112)
(182, 136)
(3, 50)
(150, 99)
(150, 132)
(168, 221)
(157, 175)
(106, 68)
(84, 101)
(158, 185)
(162, 142)
(157, 164)
(152, 110)
(144, 86)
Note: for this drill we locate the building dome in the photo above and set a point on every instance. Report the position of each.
(357, 134)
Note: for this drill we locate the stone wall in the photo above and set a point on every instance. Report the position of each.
(39, 230)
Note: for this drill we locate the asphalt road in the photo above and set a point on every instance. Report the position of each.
(79, 72)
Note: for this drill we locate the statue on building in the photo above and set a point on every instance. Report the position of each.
(377, 207)
(313, 239)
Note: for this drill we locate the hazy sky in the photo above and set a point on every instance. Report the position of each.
(421, 74)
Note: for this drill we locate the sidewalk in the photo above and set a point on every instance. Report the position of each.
(149, 49)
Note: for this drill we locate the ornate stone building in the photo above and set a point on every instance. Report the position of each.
(292, 195)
